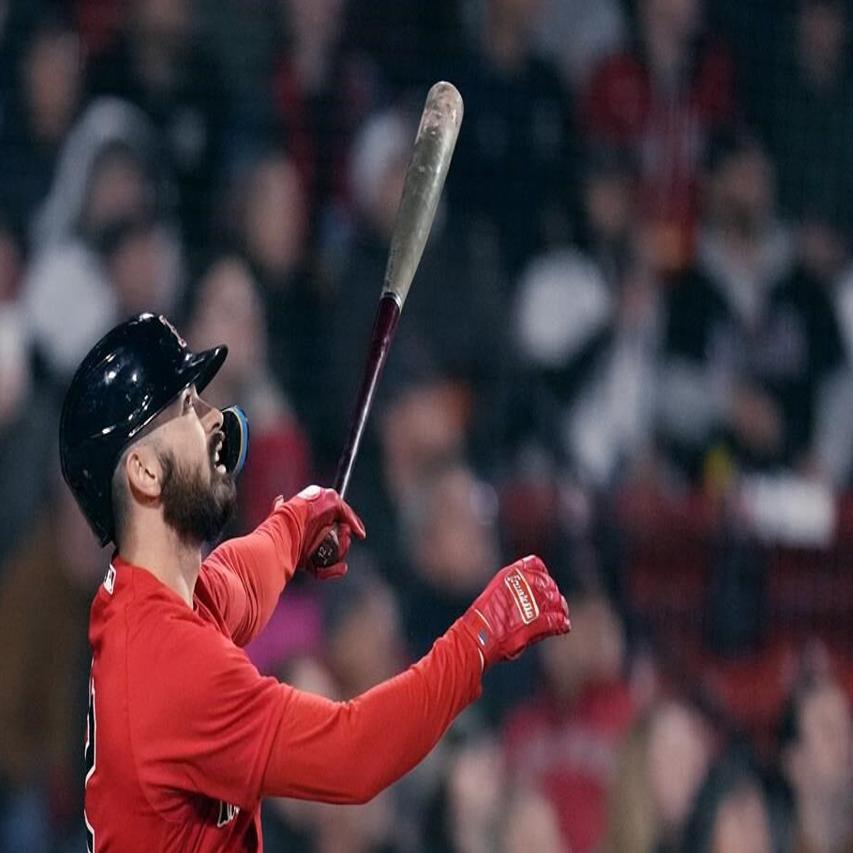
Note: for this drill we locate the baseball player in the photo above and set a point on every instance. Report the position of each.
(184, 736)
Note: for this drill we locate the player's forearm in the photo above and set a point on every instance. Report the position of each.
(264, 561)
(347, 752)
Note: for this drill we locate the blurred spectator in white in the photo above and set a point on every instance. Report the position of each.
(660, 99)
(321, 93)
(752, 345)
(805, 113)
(45, 593)
(586, 323)
(228, 309)
(514, 161)
(565, 741)
(159, 64)
(44, 103)
(578, 34)
(103, 245)
(816, 756)
(27, 415)
(730, 814)
(663, 761)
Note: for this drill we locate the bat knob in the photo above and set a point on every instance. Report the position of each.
(327, 552)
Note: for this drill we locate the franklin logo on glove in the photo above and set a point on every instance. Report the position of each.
(524, 599)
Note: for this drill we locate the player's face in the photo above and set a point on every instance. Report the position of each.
(197, 493)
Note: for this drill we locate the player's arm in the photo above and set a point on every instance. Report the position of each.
(349, 752)
(249, 573)
(203, 720)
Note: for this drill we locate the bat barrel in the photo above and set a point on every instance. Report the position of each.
(434, 144)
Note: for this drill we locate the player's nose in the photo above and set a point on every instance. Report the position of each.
(211, 417)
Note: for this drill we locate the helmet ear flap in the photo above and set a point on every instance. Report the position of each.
(235, 426)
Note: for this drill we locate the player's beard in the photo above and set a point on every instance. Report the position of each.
(196, 507)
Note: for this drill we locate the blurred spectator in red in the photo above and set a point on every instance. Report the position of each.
(661, 100)
(103, 243)
(266, 223)
(565, 741)
(731, 813)
(46, 589)
(752, 341)
(586, 322)
(228, 309)
(816, 755)
(322, 93)
(514, 161)
(530, 823)
(44, 102)
(160, 65)
(806, 115)
(663, 762)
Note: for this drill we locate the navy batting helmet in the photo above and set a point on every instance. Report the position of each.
(131, 375)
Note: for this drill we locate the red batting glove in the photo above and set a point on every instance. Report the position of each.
(520, 606)
(320, 510)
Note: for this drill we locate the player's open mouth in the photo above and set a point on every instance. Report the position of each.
(219, 467)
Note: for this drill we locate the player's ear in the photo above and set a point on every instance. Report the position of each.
(144, 471)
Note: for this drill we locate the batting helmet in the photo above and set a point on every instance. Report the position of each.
(126, 380)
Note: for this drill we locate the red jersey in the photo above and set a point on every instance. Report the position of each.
(184, 736)
(569, 753)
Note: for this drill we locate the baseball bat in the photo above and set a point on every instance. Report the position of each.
(427, 170)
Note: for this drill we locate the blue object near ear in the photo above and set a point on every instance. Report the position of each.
(235, 425)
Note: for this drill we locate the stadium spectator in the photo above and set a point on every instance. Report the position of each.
(565, 741)
(27, 410)
(265, 221)
(160, 65)
(663, 761)
(751, 337)
(322, 92)
(730, 814)
(43, 105)
(50, 573)
(816, 754)
(451, 538)
(805, 115)
(512, 176)
(586, 322)
(103, 243)
(661, 99)
(578, 34)
(228, 309)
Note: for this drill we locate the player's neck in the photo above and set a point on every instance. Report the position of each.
(173, 561)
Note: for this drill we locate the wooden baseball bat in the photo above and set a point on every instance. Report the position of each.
(434, 144)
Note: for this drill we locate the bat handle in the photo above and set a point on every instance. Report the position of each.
(327, 554)
(384, 328)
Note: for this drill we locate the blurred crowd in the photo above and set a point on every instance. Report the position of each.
(628, 349)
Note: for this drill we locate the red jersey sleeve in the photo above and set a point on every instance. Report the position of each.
(202, 720)
(245, 576)
(347, 752)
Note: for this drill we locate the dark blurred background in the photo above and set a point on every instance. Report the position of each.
(628, 349)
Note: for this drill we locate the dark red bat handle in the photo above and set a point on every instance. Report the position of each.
(384, 327)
